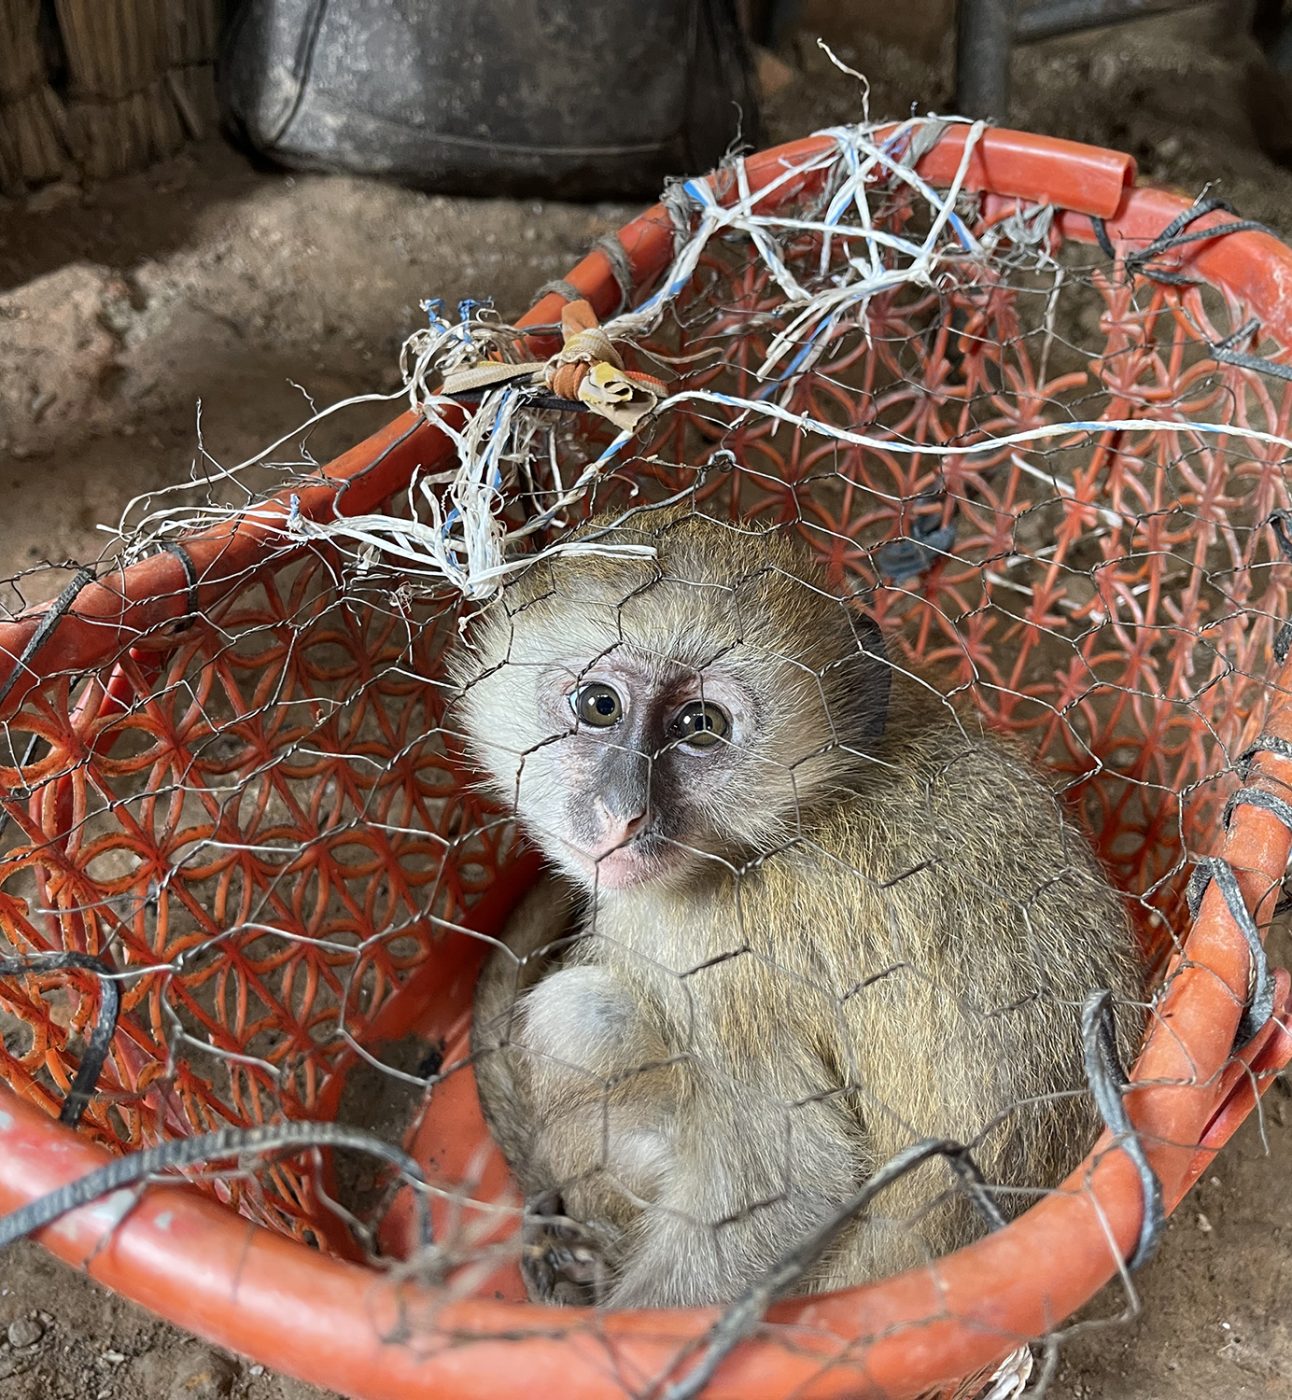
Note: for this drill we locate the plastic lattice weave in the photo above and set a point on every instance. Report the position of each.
(1048, 450)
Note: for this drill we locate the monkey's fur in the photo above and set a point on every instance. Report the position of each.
(857, 921)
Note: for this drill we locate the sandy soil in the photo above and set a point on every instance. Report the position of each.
(122, 306)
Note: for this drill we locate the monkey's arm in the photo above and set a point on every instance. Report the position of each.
(533, 945)
(728, 1151)
(559, 1045)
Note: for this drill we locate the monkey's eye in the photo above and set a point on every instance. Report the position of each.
(700, 724)
(598, 705)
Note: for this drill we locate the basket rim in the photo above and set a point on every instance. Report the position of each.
(200, 1265)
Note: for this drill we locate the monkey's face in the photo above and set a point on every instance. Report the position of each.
(649, 721)
(624, 765)
(637, 770)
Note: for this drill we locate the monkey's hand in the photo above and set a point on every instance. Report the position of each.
(562, 1260)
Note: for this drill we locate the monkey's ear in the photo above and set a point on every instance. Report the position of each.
(865, 681)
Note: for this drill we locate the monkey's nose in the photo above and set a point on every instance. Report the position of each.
(618, 829)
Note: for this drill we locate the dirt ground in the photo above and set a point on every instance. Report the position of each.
(124, 305)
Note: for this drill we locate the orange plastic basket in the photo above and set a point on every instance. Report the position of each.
(282, 910)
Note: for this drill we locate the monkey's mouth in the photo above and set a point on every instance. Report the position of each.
(645, 857)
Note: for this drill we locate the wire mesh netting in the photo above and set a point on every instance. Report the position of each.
(870, 458)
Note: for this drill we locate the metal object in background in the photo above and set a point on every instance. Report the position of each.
(560, 99)
(986, 30)
(1045, 19)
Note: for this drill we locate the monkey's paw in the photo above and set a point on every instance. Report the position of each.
(561, 1260)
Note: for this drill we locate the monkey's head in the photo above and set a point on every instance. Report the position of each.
(646, 718)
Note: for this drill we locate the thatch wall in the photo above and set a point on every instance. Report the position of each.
(100, 87)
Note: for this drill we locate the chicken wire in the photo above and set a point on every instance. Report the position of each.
(1049, 455)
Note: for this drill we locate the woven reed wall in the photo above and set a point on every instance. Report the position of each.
(100, 87)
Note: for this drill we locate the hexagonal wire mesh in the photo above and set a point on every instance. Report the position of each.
(1046, 441)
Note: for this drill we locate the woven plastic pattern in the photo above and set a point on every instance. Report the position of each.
(255, 816)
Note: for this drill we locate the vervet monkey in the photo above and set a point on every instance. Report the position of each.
(803, 913)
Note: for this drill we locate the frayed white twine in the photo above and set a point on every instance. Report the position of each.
(456, 533)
